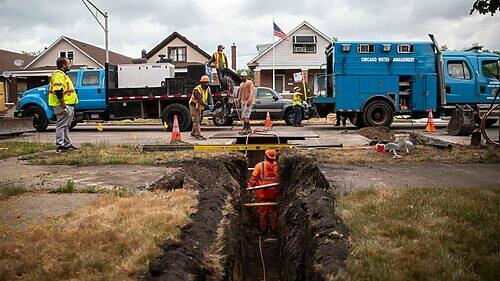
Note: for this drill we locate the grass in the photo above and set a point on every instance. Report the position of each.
(17, 148)
(421, 153)
(423, 233)
(69, 187)
(113, 239)
(103, 154)
(8, 190)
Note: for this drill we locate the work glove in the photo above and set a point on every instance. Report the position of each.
(65, 111)
(211, 107)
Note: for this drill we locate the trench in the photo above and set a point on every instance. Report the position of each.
(222, 240)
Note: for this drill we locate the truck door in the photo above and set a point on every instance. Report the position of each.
(90, 91)
(460, 81)
(266, 101)
(488, 80)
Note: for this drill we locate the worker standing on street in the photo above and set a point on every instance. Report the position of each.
(266, 172)
(62, 98)
(339, 117)
(219, 60)
(201, 99)
(297, 107)
(246, 100)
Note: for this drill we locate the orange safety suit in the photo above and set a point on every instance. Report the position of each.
(265, 172)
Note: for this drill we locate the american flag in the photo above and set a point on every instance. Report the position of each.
(279, 33)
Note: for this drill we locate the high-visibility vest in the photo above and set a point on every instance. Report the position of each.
(204, 96)
(264, 173)
(222, 59)
(58, 81)
(297, 100)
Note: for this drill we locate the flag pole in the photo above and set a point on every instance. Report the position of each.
(274, 62)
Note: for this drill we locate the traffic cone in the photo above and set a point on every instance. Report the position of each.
(430, 123)
(176, 133)
(269, 124)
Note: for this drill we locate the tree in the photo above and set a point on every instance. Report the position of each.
(486, 6)
(247, 70)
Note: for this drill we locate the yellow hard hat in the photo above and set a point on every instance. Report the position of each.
(204, 79)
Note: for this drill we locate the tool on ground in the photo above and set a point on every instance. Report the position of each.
(260, 204)
(263, 186)
(100, 127)
(262, 258)
(392, 147)
(430, 123)
(269, 123)
(176, 133)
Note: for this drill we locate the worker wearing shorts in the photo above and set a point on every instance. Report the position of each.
(246, 99)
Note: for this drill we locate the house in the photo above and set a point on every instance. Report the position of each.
(304, 51)
(180, 50)
(37, 71)
(11, 61)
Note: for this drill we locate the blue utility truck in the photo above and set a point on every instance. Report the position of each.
(131, 91)
(371, 82)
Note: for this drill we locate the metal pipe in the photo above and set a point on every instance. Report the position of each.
(260, 204)
(263, 186)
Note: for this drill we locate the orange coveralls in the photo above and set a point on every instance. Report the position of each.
(265, 172)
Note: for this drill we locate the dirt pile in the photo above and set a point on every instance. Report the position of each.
(374, 133)
(313, 239)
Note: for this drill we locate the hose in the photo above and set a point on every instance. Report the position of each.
(262, 258)
(485, 118)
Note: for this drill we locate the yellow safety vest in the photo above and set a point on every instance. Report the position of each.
(296, 99)
(204, 96)
(222, 59)
(58, 81)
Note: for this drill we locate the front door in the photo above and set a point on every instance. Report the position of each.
(90, 91)
(488, 79)
(279, 81)
(460, 81)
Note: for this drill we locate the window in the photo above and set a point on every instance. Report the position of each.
(490, 69)
(90, 78)
(70, 55)
(458, 70)
(304, 44)
(72, 76)
(265, 94)
(406, 48)
(366, 48)
(177, 54)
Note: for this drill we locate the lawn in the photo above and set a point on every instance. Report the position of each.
(17, 148)
(423, 233)
(113, 239)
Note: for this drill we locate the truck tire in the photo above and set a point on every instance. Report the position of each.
(378, 113)
(183, 116)
(40, 121)
(357, 120)
(223, 121)
(289, 116)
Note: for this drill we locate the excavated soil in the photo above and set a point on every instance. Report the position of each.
(222, 240)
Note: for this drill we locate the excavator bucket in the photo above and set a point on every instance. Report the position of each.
(10, 126)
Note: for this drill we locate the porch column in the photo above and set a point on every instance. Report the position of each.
(256, 78)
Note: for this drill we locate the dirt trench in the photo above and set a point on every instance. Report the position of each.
(222, 241)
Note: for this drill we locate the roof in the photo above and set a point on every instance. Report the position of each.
(95, 53)
(169, 39)
(7, 59)
(271, 46)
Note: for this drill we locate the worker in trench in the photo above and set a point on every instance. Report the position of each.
(266, 172)
(246, 101)
(201, 99)
(219, 61)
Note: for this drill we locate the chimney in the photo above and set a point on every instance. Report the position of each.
(233, 56)
(143, 53)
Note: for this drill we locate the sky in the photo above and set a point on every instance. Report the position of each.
(32, 25)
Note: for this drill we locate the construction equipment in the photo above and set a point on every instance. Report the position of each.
(260, 204)
(462, 121)
(12, 126)
(263, 186)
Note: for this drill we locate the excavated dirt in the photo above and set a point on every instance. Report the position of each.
(374, 133)
(222, 240)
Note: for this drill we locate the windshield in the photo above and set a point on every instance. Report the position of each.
(490, 69)
(72, 76)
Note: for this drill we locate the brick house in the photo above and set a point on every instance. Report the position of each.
(7, 59)
(304, 51)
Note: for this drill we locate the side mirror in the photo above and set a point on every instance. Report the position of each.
(275, 98)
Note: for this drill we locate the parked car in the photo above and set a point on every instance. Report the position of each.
(266, 100)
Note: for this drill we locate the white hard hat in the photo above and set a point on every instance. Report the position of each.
(296, 89)
(244, 74)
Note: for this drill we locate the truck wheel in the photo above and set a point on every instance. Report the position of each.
(357, 120)
(378, 114)
(182, 112)
(223, 121)
(40, 121)
(289, 117)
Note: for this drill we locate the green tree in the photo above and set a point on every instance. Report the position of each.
(247, 70)
(485, 6)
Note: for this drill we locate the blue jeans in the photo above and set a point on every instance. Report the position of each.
(297, 109)
(220, 74)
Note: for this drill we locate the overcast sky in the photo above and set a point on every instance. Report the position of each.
(31, 25)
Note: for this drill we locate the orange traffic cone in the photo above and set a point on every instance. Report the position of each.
(269, 124)
(176, 133)
(430, 123)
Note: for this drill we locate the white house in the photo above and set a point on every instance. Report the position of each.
(304, 51)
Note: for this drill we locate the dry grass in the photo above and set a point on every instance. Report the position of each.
(458, 154)
(17, 148)
(423, 233)
(113, 239)
(8, 190)
(103, 154)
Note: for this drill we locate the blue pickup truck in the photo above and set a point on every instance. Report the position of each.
(102, 96)
(371, 82)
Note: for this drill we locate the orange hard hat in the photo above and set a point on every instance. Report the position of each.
(271, 154)
(204, 79)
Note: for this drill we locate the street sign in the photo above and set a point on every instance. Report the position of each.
(297, 77)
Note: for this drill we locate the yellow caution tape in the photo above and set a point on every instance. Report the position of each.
(239, 147)
(260, 204)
